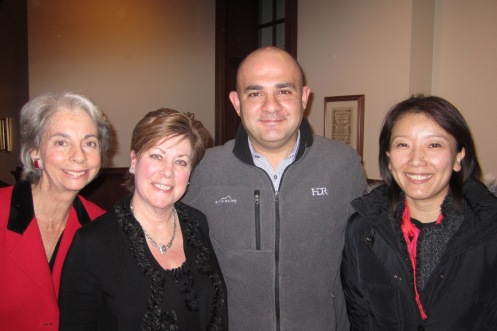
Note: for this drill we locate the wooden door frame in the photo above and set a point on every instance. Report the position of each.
(223, 117)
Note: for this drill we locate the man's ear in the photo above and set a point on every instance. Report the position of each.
(306, 90)
(235, 100)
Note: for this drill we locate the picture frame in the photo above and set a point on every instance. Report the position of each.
(344, 120)
(6, 134)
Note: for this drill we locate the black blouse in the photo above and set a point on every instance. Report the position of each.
(111, 281)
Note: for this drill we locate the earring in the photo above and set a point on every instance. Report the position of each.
(37, 164)
(132, 171)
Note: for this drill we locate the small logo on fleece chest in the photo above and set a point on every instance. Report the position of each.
(226, 199)
(319, 191)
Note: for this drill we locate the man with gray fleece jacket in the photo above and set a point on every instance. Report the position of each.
(277, 201)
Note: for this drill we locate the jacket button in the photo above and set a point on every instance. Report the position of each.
(442, 276)
(369, 241)
(397, 278)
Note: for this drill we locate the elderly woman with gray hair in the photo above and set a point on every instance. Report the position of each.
(64, 138)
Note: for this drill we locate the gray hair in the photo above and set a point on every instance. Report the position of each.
(35, 115)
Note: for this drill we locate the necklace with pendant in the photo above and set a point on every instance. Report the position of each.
(161, 247)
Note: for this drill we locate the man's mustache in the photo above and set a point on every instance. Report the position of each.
(272, 117)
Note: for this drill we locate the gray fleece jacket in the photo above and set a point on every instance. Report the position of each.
(280, 252)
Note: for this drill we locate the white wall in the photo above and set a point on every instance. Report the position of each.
(130, 57)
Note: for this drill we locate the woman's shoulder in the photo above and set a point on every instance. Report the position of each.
(6, 191)
(375, 201)
(368, 209)
(357, 224)
(5, 198)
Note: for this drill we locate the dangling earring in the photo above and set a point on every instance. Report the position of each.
(37, 164)
(132, 171)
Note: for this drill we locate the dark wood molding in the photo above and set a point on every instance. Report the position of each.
(291, 24)
(107, 188)
(236, 36)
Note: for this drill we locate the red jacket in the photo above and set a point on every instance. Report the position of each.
(28, 290)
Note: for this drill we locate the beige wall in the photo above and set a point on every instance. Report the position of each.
(384, 49)
(134, 56)
(129, 56)
(356, 47)
(465, 69)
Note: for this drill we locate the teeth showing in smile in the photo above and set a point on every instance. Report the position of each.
(162, 187)
(418, 177)
(75, 173)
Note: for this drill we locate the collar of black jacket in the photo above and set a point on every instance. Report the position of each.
(22, 210)
(242, 150)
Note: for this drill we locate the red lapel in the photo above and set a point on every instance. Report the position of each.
(29, 255)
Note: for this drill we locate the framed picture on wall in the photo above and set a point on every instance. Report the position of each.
(344, 120)
(6, 134)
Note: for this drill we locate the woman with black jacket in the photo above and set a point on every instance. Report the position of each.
(421, 250)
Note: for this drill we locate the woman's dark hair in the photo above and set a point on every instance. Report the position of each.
(448, 118)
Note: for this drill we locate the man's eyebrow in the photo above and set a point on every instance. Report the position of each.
(286, 85)
(278, 86)
(253, 88)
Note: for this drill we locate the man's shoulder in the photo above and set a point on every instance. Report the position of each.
(323, 142)
(325, 147)
(226, 148)
(217, 155)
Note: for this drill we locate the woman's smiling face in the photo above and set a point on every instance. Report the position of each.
(162, 172)
(69, 151)
(422, 158)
